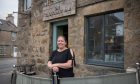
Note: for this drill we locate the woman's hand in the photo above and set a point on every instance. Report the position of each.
(50, 65)
(55, 66)
(55, 69)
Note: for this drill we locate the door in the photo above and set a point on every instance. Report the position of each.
(59, 28)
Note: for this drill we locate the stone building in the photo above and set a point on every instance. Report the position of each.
(8, 32)
(104, 34)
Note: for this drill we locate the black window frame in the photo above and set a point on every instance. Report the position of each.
(95, 62)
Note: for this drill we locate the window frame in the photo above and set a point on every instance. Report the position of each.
(95, 61)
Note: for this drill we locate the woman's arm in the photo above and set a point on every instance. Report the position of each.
(66, 65)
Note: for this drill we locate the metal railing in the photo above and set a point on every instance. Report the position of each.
(24, 69)
(125, 78)
(25, 79)
(120, 78)
(138, 72)
(27, 69)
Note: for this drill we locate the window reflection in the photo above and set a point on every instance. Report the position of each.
(114, 38)
(105, 38)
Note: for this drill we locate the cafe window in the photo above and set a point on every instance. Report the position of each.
(105, 40)
(27, 5)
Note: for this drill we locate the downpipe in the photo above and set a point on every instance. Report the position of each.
(138, 73)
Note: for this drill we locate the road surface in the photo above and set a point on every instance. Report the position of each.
(6, 69)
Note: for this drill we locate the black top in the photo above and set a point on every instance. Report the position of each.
(62, 57)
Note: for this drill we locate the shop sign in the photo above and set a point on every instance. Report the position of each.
(60, 9)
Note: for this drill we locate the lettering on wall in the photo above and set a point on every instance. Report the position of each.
(63, 8)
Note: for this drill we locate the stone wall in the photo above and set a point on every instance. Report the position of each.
(35, 34)
(5, 40)
(39, 36)
(82, 3)
(76, 30)
(24, 34)
(132, 32)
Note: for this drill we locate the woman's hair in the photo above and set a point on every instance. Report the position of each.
(62, 37)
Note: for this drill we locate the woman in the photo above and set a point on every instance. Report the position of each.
(61, 59)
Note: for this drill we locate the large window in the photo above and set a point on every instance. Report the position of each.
(105, 40)
(27, 5)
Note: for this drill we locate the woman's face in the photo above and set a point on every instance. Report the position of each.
(61, 42)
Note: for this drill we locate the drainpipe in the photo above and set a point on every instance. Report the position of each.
(138, 73)
(14, 75)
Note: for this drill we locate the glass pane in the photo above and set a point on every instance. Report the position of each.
(114, 37)
(25, 5)
(29, 4)
(114, 18)
(91, 22)
(95, 38)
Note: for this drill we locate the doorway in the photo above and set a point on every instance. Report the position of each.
(59, 28)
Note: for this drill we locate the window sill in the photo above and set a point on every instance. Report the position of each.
(105, 64)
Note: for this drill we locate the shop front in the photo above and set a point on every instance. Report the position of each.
(103, 34)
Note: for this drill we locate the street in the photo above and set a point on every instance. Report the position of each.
(6, 69)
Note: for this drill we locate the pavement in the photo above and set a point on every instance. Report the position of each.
(6, 69)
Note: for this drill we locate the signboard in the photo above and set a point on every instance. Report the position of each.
(60, 9)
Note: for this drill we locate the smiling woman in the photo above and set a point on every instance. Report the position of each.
(61, 60)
